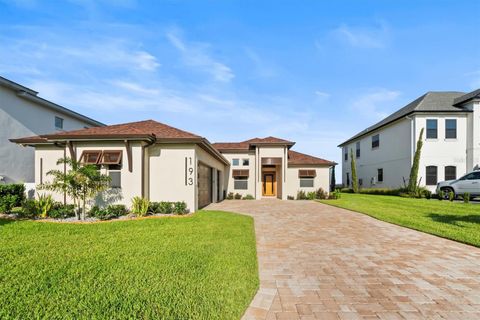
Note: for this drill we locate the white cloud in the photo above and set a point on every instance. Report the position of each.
(322, 95)
(264, 69)
(363, 37)
(196, 55)
(375, 104)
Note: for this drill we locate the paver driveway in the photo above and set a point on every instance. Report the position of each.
(321, 262)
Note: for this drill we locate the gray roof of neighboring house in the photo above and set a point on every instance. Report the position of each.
(466, 97)
(429, 102)
(32, 95)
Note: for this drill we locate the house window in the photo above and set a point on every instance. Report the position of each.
(346, 154)
(115, 174)
(111, 157)
(431, 174)
(58, 123)
(360, 182)
(235, 162)
(450, 128)
(306, 182)
(90, 157)
(380, 175)
(375, 141)
(348, 179)
(245, 162)
(450, 173)
(240, 183)
(432, 129)
(357, 153)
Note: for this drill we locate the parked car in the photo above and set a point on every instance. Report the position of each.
(469, 183)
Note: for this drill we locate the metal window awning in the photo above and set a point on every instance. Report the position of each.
(240, 173)
(307, 173)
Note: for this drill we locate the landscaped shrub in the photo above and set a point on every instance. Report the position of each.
(140, 206)
(466, 197)
(29, 209)
(117, 210)
(61, 211)
(166, 207)
(334, 195)
(248, 197)
(44, 204)
(154, 207)
(17, 190)
(451, 196)
(8, 202)
(441, 195)
(230, 196)
(100, 213)
(180, 207)
(238, 196)
(290, 198)
(311, 195)
(321, 194)
(301, 195)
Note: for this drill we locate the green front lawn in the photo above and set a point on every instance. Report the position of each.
(198, 267)
(452, 220)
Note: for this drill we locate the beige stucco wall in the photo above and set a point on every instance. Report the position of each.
(22, 118)
(322, 180)
(46, 158)
(167, 173)
(229, 181)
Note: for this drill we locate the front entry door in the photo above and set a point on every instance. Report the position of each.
(268, 184)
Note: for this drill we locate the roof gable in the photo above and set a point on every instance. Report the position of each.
(466, 97)
(298, 158)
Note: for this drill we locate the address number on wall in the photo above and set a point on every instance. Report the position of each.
(189, 171)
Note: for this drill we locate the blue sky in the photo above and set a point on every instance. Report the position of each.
(315, 72)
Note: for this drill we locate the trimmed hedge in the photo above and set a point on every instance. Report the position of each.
(11, 196)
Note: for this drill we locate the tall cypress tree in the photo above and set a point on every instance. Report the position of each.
(412, 183)
(353, 166)
(332, 180)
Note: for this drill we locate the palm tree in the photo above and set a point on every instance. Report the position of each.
(80, 182)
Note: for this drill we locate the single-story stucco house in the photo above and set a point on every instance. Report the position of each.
(162, 163)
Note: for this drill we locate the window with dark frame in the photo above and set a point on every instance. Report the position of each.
(348, 179)
(432, 129)
(90, 156)
(307, 177)
(375, 141)
(346, 154)
(235, 162)
(450, 128)
(306, 182)
(245, 162)
(58, 123)
(357, 150)
(450, 173)
(380, 175)
(240, 183)
(431, 175)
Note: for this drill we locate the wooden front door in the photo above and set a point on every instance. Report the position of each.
(268, 184)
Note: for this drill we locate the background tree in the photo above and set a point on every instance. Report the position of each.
(353, 166)
(332, 180)
(412, 182)
(80, 182)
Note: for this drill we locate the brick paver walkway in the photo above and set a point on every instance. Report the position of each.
(321, 262)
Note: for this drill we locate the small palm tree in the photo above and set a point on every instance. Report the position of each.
(80, 182)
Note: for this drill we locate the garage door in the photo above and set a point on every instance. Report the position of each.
(204, 185)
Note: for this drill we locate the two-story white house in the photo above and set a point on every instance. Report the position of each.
(451, 142)
(24, 113)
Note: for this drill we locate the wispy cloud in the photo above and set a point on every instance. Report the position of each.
(375, 104)
(322, 94)
(362, 37)
(196, 55)
(263, 68)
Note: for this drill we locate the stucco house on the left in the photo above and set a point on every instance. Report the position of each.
(24, 113)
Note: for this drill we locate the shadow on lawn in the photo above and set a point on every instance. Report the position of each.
(5, 221)
(454, 219)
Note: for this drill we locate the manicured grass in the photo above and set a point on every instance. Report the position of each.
(198, 267)
(452, 220)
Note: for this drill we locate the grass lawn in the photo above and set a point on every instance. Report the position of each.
(198, 267)
(452, 220)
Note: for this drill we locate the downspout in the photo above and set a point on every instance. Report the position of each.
(144, 148)
(413, 140)
(58, 145)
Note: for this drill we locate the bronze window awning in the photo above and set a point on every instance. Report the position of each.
(268, 161)
(111, 157)
(90, 156)
(240, 173)
(307, 173)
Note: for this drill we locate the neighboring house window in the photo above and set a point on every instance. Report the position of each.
(432, 129)
(376, 141)
(346, 154)
(240, 183)
(431, 173)
(348, 179)
(357, 153)
(235, 162)
(450, 173)
(245, 162)
(380, 175)
(360, 182)
(307, 178)
(450, 128)
(58, 123)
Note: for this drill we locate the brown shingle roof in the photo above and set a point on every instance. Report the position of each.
(245, 145)
(298, 158)
(269, 140)
(140, 129)
(32, 139)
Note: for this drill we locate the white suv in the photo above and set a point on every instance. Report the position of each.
(469, 183)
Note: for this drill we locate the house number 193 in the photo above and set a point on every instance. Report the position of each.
(188, 171)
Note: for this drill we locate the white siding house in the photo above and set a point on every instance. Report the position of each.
(451, 142)
(24, 113)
